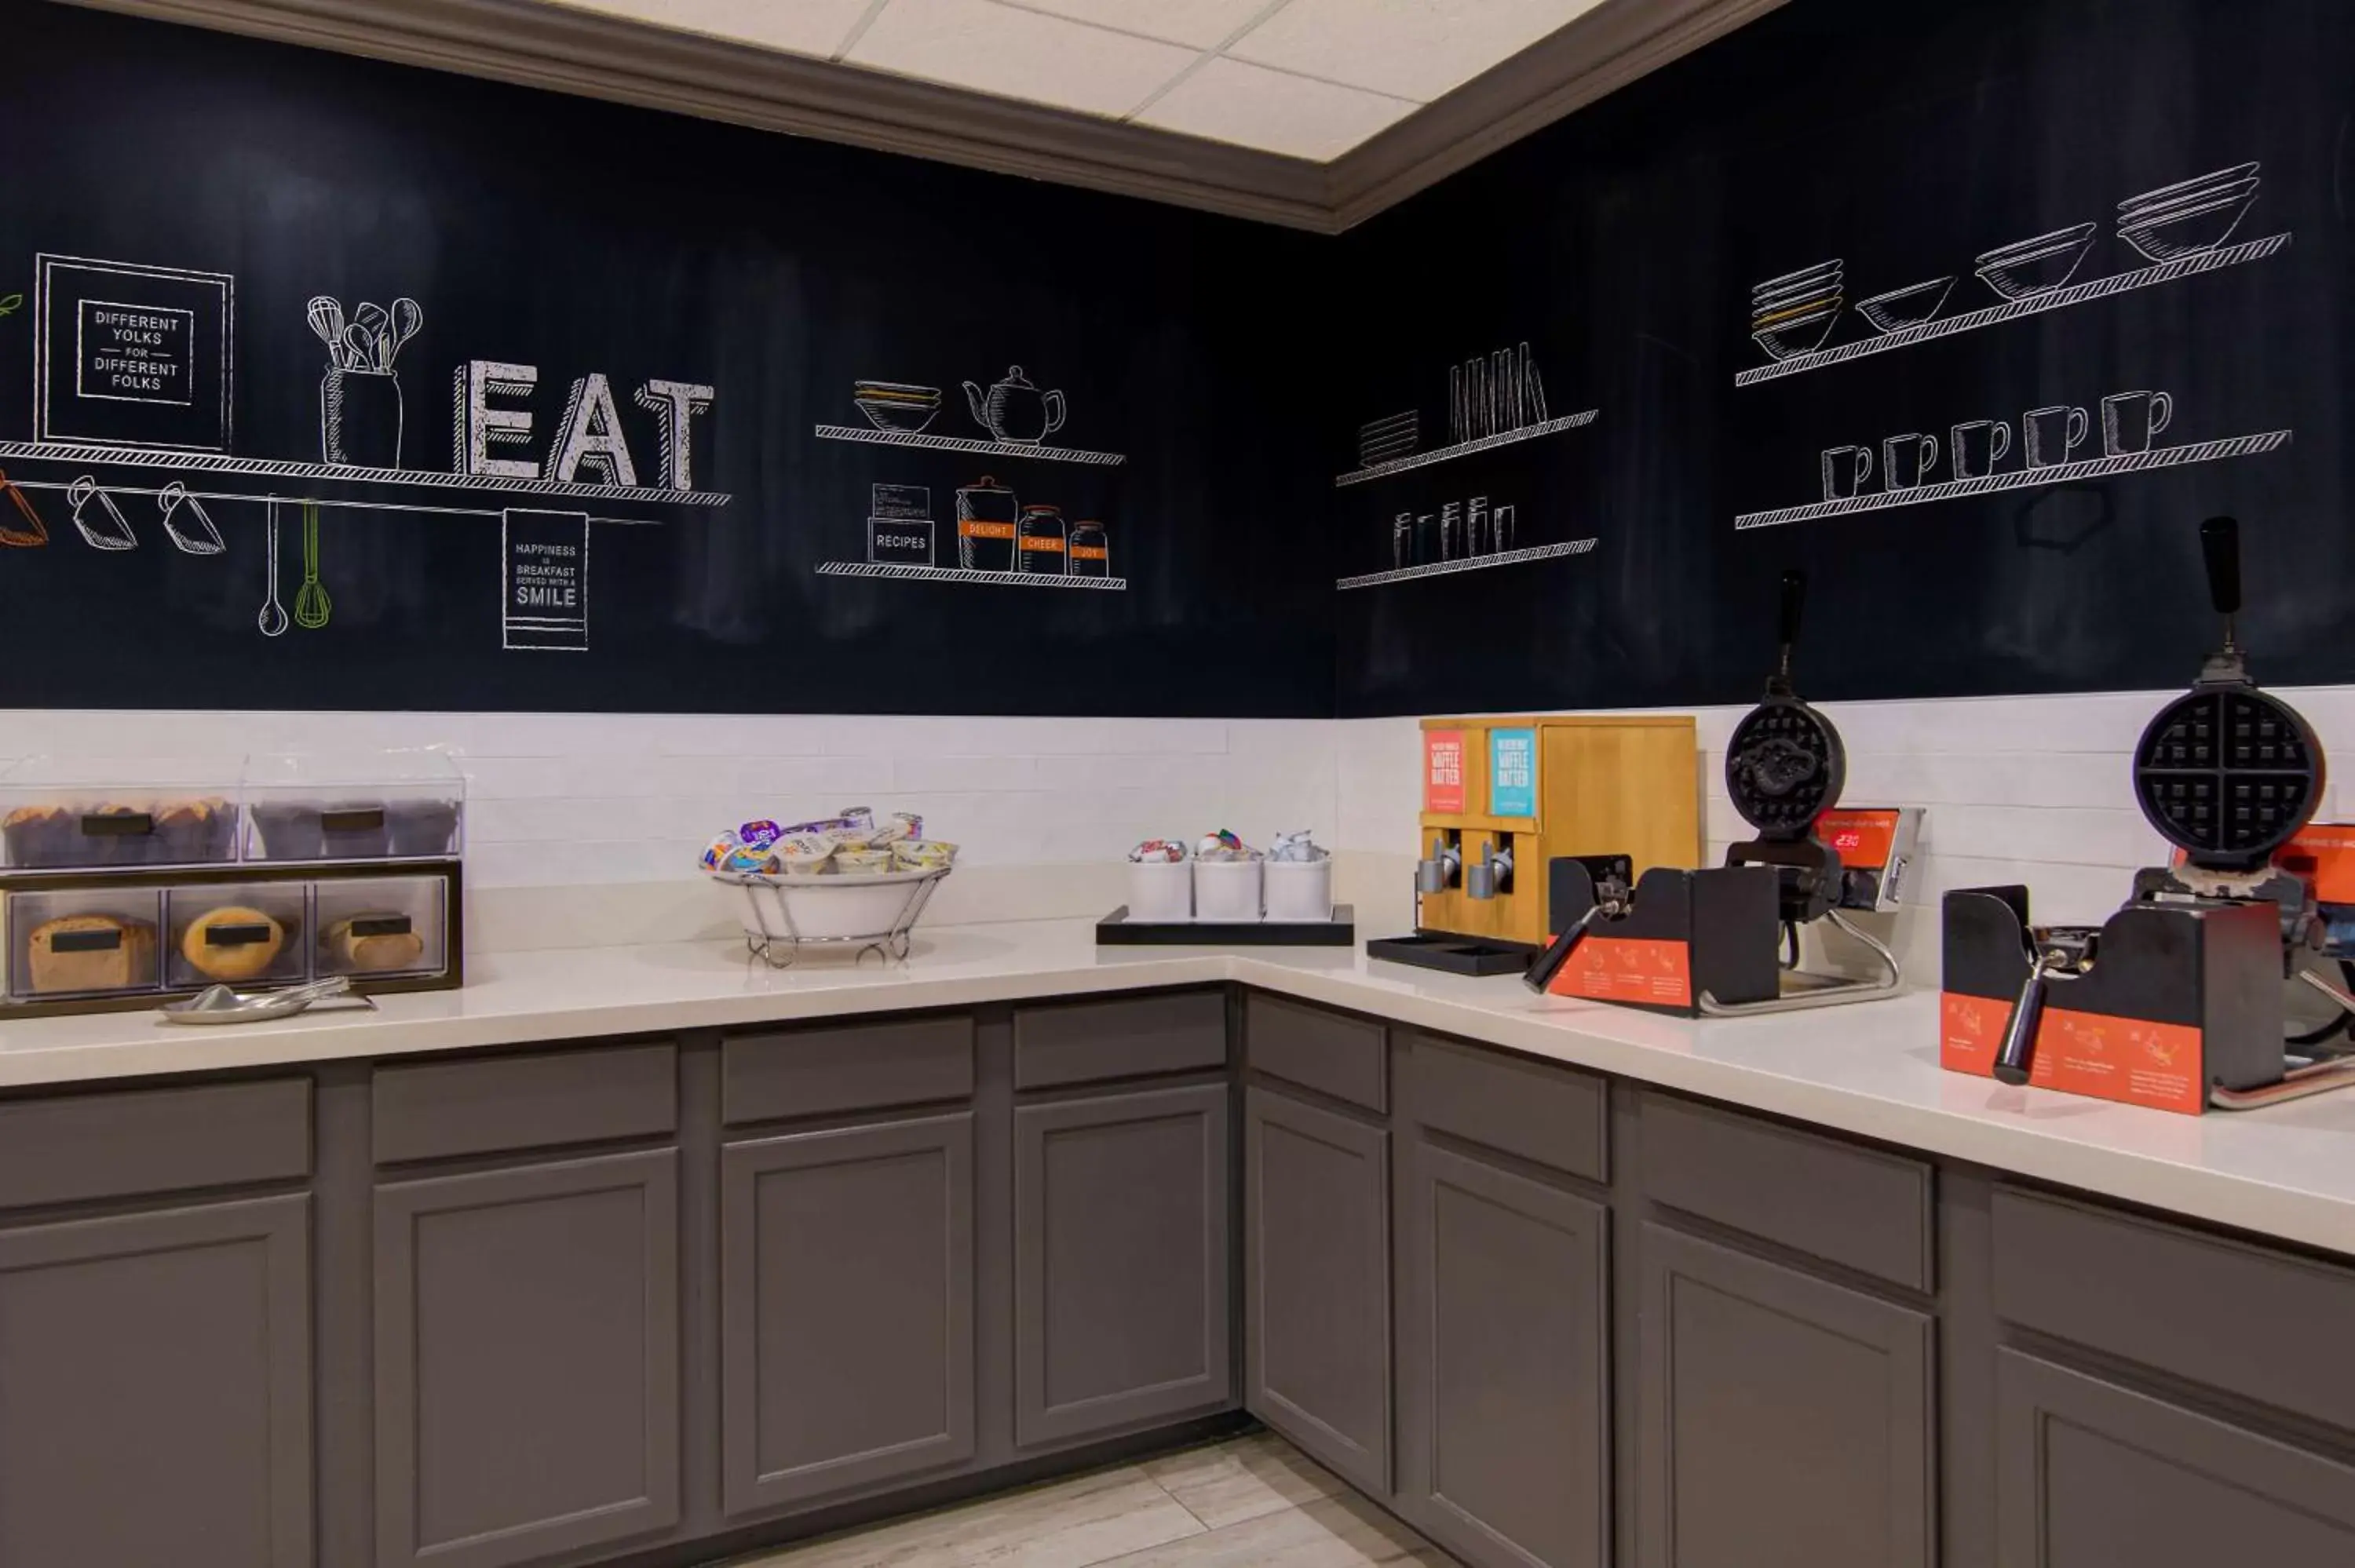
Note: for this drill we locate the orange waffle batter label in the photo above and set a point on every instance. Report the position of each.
(1627, 969)
(2130, 1060)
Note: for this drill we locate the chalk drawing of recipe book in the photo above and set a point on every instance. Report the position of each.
(131, 355)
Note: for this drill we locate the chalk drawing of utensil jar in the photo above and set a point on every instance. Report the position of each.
(359, 419)
(1016, 412)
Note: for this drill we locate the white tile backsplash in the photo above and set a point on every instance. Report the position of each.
(2030, 790)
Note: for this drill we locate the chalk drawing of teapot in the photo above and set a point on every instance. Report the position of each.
(1015, 412)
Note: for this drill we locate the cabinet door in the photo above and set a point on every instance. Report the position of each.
(155, 1388)
(2091, 1474)
(526, 1360)
(1784, 1422)
(1316, 1299)
(846, 1309)
(1120, 1262)
(1503, 1397)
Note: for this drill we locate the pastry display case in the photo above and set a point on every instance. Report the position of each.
(127, 883)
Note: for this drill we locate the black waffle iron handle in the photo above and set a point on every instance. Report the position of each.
(2220, 546)
(1539, 975)
(2015, 1058)
(1794, 607)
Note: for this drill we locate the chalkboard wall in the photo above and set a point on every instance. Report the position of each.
(195, 192)
(621, 462)
(1902, 142)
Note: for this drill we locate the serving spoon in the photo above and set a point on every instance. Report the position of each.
(223, 1004)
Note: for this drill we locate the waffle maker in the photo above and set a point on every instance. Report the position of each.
(1726, 941)
(2176, 1001)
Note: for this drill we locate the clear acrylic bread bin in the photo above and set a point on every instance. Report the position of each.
(391, 805)
(70, 814)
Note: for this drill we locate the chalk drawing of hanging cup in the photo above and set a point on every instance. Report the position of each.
(359, 398)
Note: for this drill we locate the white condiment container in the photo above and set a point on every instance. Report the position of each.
(1161, 890)
(1226, 889)
(1300, 889)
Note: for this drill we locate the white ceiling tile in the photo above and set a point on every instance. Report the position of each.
(802, 26)
(1412, 48)
(1019, 54)
(1230, 101)
(1204, 24)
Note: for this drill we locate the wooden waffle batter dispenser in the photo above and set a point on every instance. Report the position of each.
(1504, 797)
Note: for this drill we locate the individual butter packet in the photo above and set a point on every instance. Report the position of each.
(759, 834)
(862, 861)
(1295, 847)
(759, 860)
(1160, 850)
(898, 827)
(1223, 846)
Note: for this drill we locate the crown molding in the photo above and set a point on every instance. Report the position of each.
(1599, 53)
(594, 55)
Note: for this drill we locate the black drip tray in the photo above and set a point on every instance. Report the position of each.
(1456, 954)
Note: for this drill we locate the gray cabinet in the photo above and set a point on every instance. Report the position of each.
(155, 1388)
(1317, 1283)
(1503, 1394)
(847, 1300)
(1783, 1422)
(526, 1360)
(2091, 1474)
(1121, 1277)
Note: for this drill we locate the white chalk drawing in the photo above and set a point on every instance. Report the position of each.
(2188, 217)
(675, 403)
(1795, 313)
(905, 573)
(2037, 265)
(481, 428)
(126, 354)
(2182, 229)
(361, 415)
(1491, 395)
(900, 525)
(899, 406)
(266, 468)
(272, 619)
(543, 580)
(2130, 420)
(1846, 470)
(1472, 563)
(1907, 307)
(1906, 460)
(313, 607)
(108, 530)
(2052, 434)
(1013, 412)
(186, 522)
(1975, 448)
(324, 503)
(1462, 449)
(589, 435)
(963, 444)
(1392, 436)
(2024, 479)
(10, 304)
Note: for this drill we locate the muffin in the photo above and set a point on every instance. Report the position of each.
(232, 943)
(39, 837)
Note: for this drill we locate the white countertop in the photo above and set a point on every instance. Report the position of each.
(1869, 1069)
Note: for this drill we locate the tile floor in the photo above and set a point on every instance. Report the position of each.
(1252, 1501)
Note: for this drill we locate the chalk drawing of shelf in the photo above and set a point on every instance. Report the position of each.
(1466, 449)
(2034, 304)
(1470, 564)
(339, 473)
(899, 570)
(966, 444)
(2023, 479)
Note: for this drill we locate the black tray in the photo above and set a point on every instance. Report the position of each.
(1456, 954)
(1117, 930)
